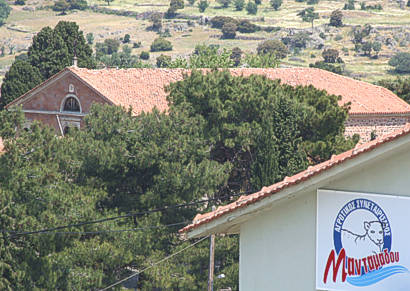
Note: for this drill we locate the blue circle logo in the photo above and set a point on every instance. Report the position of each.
(370, 236)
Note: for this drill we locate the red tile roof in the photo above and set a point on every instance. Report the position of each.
(246, 200)
(144, 88)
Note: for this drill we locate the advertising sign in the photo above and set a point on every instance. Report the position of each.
(362, 241)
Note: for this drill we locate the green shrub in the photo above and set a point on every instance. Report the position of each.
(202, 5)
(224, 3)
(90, 38)
(144, 55)
(251, 7)
(336, 18)
(276, 4)
(240, 4)
(338, 37)
(136, 44)
(229, 30)
(275, 47)
(163, 61)
(334, 68)
(126, 38)
(322, 35)
(245, 26)
(349, 5)
(401, 62)
(330, 55)
(161, 44)
(19, 2)
(312, 2)
(258, 2)
(219, 21)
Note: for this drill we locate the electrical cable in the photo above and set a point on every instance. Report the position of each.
(127, 215)
(153, 265)
(14, 233)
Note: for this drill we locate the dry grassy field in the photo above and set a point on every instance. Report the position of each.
(24, 23)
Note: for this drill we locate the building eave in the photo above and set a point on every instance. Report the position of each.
(230, 221)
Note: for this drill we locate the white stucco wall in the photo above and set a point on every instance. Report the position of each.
(277, 247)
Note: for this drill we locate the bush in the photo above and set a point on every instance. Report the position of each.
(408, 3)
(334, 68)
(219, 21)
(191, 2)
(330, 55)
(336, 18)
(229, 30)
(160, 44)
(275, 4)
(144, 55)
(78, 4)
(136, 44)
(298, 40)
(202, 5)
(349, 5)
(401, 62)
(240, 4)
(251, 7)
(126, 38)
(245, 26)
(236, 56)
(156, 19)
(400, 86)
(312, 2)
(163, 61)
(177, 4)
(322, 35)
(224, 3)
(258, 2)
(20, 2)
(275, 47)
(338, 37)
(108, 47)
(90, 38)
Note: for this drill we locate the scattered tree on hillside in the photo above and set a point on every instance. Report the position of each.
(4, 11)
(62, 6)
(161, 44)
(202, 5)
(108, 47)
(224, 3)
(308, 15)
(336, 18)
(245, 26)
(236, 56)
(276, 4)
(330, 55)
(51, 51)
(252, 7)
(229, 30)
(90, 38)
(400, 86)
(349, 5)
(401, 62)
(239, 4)
(273, 46)
(191, 2)
(163, 61)
(156, 19)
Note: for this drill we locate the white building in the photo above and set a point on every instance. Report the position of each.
(289, 230)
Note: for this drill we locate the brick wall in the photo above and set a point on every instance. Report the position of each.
(365, 125)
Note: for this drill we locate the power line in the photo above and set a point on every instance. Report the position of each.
(153, 265)
(46, 230)
(14, 233)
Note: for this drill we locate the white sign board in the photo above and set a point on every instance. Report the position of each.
(362, 242)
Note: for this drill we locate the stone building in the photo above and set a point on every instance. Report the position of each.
(64, 99)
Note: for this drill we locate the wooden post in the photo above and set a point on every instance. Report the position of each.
(211, 263)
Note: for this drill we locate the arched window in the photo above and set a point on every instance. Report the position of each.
(71, 104)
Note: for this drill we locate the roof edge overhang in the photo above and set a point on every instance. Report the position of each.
(230, 222)
(379, 114)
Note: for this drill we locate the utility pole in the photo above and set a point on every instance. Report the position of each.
(211, 263)
(211, 260)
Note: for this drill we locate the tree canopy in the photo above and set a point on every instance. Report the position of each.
(222, 135)
(51, 51)
(4, 11)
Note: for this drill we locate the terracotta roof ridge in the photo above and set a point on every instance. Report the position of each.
(295, 179)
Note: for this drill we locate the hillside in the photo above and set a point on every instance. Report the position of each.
(390, 27)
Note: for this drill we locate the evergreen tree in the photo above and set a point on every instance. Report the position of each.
(51, 51)
(20, 78)
(4, 11)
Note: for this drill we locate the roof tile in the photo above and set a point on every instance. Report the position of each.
(143, 89)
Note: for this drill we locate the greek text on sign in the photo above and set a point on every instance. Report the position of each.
(363, 241)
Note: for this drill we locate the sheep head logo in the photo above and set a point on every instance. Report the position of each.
(374, 230)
